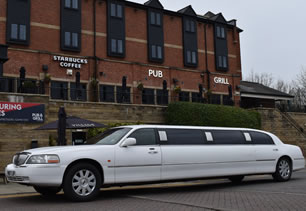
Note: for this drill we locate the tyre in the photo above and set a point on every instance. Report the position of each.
(283, 170)
(47, 191)
(82, 182)
(236, 179)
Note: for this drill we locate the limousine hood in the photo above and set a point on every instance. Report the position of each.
(64, 149)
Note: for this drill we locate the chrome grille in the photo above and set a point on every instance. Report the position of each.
(20, 158)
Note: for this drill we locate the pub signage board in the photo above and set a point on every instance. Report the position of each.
(22, 112)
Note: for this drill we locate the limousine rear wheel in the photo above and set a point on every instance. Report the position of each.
(283, 170)
(82, 182)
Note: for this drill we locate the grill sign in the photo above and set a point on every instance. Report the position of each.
(22, 112)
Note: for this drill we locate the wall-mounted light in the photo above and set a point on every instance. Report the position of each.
(174, 80)
(45, 68)
(202, 75)
(102, 74)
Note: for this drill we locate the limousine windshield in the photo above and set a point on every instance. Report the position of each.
(112, 136)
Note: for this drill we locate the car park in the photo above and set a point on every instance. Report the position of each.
(153, 154)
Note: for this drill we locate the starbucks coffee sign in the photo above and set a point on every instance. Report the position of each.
(219, 80)
(70, 62)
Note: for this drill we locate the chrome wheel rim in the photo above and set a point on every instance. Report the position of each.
(84, 182)
(284, 169)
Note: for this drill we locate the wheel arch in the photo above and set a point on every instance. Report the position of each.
(86, 160)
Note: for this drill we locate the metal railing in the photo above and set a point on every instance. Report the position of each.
(70, 92)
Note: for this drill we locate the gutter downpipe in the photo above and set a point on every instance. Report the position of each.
(206, 61)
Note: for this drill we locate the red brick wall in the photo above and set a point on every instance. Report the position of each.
(45, 41)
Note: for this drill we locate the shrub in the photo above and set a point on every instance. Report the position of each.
(196, 114)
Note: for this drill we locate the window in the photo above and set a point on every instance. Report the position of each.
(215, 99)
(59, 90)
(123, 96)
(148, 96)
(189, 26)
(261, 138)
(162, 97)
(71, 40)
(220, 32)
(155, 18)
(117, 46)
(228, 137)
(196, 98)
(222, 61)
(107, 93)
(156, 52)
(18, 32)
(185, 137)
(72, 4)
(116, 10)
(7, 84)
(184, 96)
(78, 93)
(191, 57)
(144, 137)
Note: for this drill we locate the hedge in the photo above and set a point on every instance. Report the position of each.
(196, 114)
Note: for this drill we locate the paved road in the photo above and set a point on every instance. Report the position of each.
(255, 193)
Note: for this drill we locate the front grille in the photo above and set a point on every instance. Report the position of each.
(20, 158)
(17, 178)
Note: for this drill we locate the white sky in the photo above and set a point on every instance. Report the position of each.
(274, 32)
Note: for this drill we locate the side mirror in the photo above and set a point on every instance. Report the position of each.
(129, 142)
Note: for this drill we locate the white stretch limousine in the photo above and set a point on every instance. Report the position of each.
(150, 153)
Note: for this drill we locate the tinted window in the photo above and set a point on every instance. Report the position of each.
(228, 137)
(185, 136)
(261, 138)
(144, 137)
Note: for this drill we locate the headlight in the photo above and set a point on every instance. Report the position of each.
(43, 159)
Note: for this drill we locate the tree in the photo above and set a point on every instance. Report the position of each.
(265, 79)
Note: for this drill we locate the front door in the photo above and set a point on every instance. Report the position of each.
(141, 162)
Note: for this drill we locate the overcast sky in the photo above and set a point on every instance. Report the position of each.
(274, 32)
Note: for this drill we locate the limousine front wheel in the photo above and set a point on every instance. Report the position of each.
(82, 182)
(283, 170)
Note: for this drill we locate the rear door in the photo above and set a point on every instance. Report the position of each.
(141, 162)
(267, 152)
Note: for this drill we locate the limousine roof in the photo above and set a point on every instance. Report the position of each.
(274, 137)
(190, 127)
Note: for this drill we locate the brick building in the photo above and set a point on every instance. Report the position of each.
(119, 51)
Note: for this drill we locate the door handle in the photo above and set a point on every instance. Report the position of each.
(275, 150)
(153, 152)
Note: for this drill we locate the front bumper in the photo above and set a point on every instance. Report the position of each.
(40, 175)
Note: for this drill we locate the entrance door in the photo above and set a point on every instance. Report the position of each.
(78, 138)
(141, 162)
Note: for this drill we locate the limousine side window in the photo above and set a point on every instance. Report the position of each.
(144, 136)
(228, 137)
(184, 137)
(261, 138)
